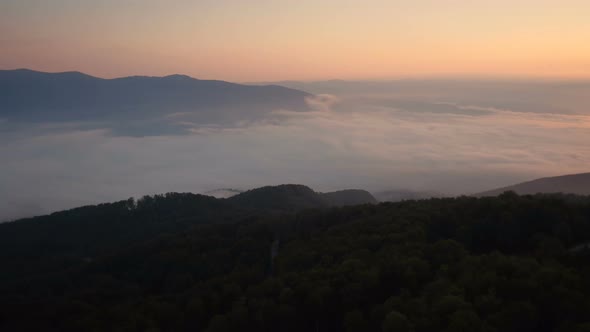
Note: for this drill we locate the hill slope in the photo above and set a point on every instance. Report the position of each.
(451, 264)
(72, 236)
(403, 194)
(570, 184)
(349, 197)
(292, 197)
(289, 197)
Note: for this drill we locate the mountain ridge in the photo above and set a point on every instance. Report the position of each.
(170, 76)
(140, 103)
(569, 184)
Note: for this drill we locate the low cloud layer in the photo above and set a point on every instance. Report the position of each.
(344, 143)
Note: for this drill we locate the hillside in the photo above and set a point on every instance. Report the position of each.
(453, 264)
(286, 197)
(571, 184)
(72, 236)
(69, 237)
(402, 195)
(292, 197)
(349, 197)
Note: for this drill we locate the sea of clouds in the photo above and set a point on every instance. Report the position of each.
(361, 141)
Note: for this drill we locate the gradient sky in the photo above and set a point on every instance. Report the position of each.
(258, 40)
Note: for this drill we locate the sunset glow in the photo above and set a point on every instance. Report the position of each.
(262, 40)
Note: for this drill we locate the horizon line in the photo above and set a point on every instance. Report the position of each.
(441, 77)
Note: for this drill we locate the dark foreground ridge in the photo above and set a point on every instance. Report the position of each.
(76, 235)
(282, 259)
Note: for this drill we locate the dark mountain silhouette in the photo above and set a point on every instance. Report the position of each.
(27, 95)
(404, 194)
(568, 184)
(289, 197)
(349, 197)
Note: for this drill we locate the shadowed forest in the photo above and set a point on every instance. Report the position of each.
(281, 259)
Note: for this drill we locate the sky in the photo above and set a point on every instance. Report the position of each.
(528, 119)
(269, 40)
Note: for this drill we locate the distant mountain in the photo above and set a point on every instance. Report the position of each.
(349, 197)
(403, 194)
(569, 184)
(31, 96)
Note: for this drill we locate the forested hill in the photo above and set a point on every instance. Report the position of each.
(292, 197)
(454, 264)
(349, 197)
(70, 237)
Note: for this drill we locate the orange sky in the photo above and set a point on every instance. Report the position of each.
(258, 40)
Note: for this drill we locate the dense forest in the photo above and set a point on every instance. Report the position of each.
(288, 259)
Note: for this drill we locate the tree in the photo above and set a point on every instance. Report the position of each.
(219, 323)
(464, 321)
(354, 321)
(396, 322)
